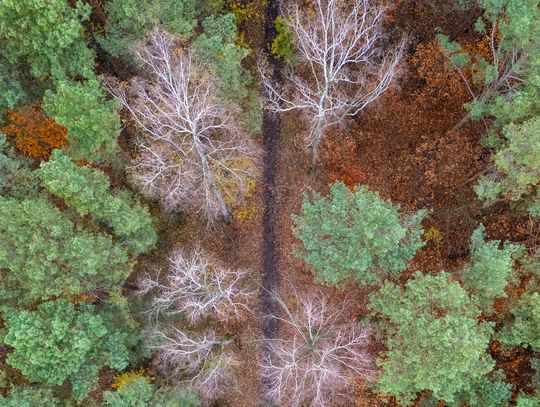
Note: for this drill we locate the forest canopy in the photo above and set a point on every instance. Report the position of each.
(290, 203)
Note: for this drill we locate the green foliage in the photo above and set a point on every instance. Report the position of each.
(16, 177)
(126, 24)
(517, 162)
(87, 191)
(486, 392)
(490, 269)
(457, 58)
(282, 46)
(46, 35)
(210, 7)
(510, 79)
(518, 27)
(61, 341)
(29, 396)
(136, 393)
(525, 329)
(129, 20)
(252, 114)
(4, 380)
(434, 339)
(217, 47)
(44, 255)
(535, 365)
(356, 235)
(177, 16)
(12, 92)
(141, 393)
(525, 400)
(92, 122)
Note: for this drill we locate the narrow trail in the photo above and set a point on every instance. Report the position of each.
(271, 129)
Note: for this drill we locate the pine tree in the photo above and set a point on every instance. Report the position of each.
(356, 235)
(490, 269)
(141, 393)
(524, 330)
(46, 256)
(92, 122)
(30, 396)
(87, 191)
(61, 341)
(435, 341)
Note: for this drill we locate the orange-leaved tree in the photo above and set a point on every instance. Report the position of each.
(33, 133)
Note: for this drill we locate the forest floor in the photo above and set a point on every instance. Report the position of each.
(403, 147)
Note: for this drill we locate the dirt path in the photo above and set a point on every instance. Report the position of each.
(271, 129)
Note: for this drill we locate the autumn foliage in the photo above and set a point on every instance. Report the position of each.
(33, 133)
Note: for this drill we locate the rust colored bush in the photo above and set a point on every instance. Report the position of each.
(33, 133)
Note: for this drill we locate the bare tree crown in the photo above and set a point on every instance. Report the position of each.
(191, 155)
(200, 359)
(318, 357)
(198, 286)
(344, 65)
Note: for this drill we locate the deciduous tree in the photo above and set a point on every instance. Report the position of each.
(129, 20)
(202, 360)
(33, 133)
(319, 355)
(198, 286)
(356, 235)
(191, 155)
(345, 63)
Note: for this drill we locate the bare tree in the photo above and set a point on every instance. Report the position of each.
(202, 360)
(318, 357)
(343, 63)
(198, 286)
(190, 155)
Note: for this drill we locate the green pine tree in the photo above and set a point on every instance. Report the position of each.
(356, 235)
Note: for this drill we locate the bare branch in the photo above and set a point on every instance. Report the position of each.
(343, 64)
(318, 357)
(199, 287)
(191, 155)
(201, 360)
